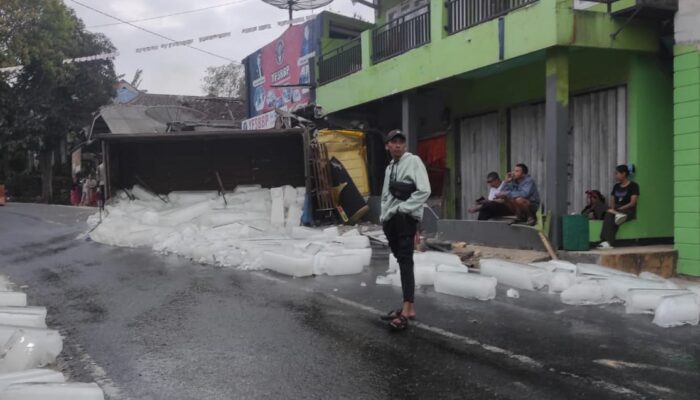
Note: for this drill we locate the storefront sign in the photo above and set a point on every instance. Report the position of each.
(263, 121)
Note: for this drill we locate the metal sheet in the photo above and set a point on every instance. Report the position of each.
(479, 155)
(599, 142)
(527, 142)
(597, 145)
(191, 163)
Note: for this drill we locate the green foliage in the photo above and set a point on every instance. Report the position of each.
(227, 80)
(47, 99)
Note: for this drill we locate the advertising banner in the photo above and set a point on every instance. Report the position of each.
(280, 74)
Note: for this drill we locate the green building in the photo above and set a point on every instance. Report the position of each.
(570, 88)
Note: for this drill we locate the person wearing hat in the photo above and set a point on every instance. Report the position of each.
(406, 189)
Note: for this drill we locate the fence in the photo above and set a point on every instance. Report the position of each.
(402, 34)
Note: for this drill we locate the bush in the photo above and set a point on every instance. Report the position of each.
(27, 188)
(23, 187)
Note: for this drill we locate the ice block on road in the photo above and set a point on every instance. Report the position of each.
(337, 264)
(52, 391)
(30, 320)
(622, 284)
(297, 266)
(589, 292)
(601, 270)
(645, 301)
(25, 348)
(520, 276)
(14, 299)
(470, 286)
(30, 375)
(677, 310)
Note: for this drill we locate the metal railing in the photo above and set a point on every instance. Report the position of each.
(401, 35)
(463, 14)
(340, 62)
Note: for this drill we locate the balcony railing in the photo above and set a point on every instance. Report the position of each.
(340, 62)
(401, 35)
(463, 14)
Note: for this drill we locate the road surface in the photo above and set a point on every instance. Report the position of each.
(148, 326)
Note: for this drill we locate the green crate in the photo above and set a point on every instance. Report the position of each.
(575, 232)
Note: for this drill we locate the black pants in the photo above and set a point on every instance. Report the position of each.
(400, 230)
(607, 234)
(493, 209)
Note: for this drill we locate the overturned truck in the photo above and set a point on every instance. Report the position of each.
(194, 160)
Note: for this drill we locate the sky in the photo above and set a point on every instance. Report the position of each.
(179, 70)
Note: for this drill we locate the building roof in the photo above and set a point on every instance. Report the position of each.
(138, 112)
(214, 108)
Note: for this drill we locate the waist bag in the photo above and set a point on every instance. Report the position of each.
(402, 190)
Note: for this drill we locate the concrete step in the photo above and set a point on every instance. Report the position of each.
(658, 259)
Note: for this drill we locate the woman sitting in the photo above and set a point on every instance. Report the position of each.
(623, 206)
(595, 205)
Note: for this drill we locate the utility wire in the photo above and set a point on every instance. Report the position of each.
(150, 31)
(171, 15)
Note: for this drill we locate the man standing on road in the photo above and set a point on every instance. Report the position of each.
(406, 189)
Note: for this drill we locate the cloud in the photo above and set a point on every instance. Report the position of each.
(179, 70)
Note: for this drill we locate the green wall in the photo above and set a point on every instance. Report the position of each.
(527, 31)
(650, 106)
(468, 50)
(687, 158)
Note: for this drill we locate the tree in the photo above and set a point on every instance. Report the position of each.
(49, 99)
(225, 81)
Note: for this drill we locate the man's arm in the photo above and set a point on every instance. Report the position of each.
(524, 190)
(420, 196)
(385, 195)
(506, 187)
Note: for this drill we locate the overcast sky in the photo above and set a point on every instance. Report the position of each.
(179, 70)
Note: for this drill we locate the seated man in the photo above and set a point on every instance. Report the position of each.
(520, 195)
(489, 208)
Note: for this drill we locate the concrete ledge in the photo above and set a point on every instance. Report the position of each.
(490, 233)
(661, 259)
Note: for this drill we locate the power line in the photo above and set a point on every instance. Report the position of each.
(171, 15)
(150, 31)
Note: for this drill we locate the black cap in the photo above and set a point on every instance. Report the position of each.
(393, 134)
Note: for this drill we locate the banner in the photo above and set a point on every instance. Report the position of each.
(280, 74)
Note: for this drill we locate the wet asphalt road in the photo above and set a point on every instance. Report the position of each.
(147, 326)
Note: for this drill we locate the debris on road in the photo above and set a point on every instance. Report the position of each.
(512, 293)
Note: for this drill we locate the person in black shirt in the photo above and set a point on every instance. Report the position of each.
(623, 206)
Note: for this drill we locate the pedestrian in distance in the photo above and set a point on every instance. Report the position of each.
(406, 189)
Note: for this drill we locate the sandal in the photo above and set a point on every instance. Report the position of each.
(393, 314)
(401, 325)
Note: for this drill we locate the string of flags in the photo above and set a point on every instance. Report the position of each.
(223, 35)
(169, 45)
(103, 56)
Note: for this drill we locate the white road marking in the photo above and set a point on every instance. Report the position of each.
(523, 359)
(97, 373)
(617, 364)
